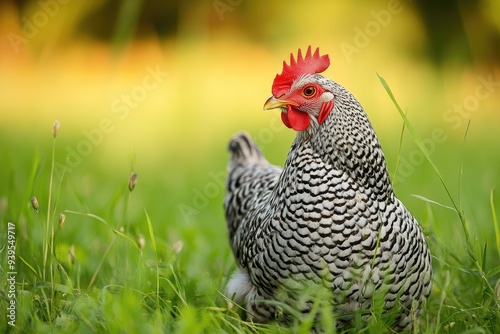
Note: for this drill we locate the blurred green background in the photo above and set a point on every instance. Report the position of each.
(159, 87)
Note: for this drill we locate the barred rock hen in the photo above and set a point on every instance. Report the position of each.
(329, 219)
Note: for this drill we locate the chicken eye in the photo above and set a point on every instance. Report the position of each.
(309, 91)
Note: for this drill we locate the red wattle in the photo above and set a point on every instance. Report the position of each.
(284, 119)
(297, 120)
(326, 107)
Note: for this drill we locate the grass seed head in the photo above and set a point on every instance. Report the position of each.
(55, 128)
(34, 204)
(177, 247)
(132, 181)
(3, 203)
(71, 254)
(141, 241)
(62, 219)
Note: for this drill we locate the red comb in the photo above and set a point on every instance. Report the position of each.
(310, 64)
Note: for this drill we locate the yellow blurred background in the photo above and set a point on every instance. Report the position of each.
(174, 79)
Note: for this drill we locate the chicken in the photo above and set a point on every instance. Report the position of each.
(327, 222)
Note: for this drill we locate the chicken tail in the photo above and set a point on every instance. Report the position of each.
(244, 151)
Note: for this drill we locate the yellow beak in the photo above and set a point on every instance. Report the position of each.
(273, 103)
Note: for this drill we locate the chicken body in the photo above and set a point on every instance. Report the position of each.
(328, 221)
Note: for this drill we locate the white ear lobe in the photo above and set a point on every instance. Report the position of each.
(325, 97)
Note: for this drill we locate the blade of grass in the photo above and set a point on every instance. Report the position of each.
(94, 276)
(151, 233)
(47, 243)
(153, 243)
(461, 171)
(419, 142)
(441, 302)
(495, 221)
(425, 199)
(126, 237)
(176, 285)
(29, 266)
(483, 263)
(400, 146)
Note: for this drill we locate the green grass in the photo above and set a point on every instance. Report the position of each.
(97, 256)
